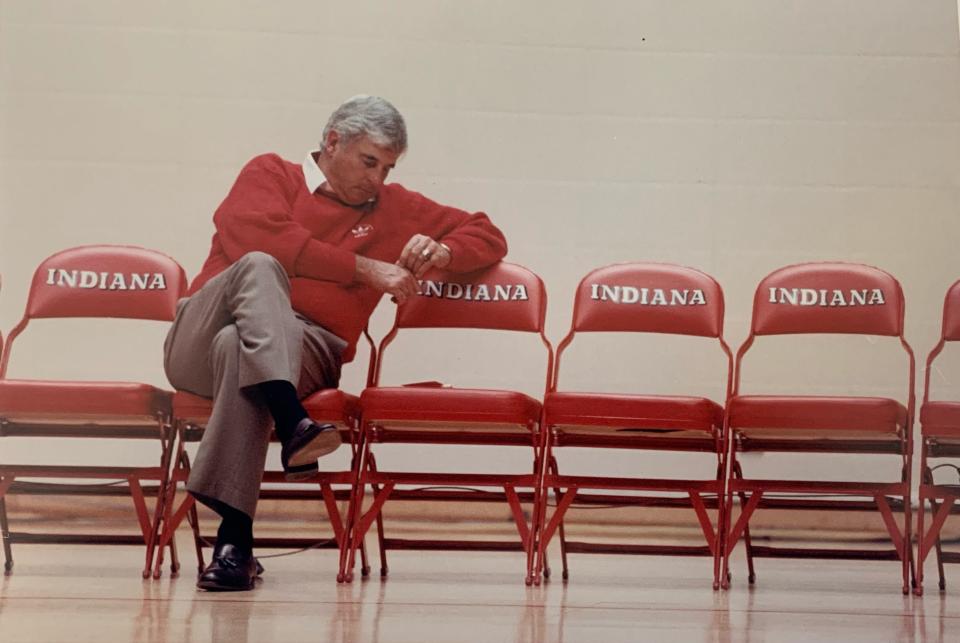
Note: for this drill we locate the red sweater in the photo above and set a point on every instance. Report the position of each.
(316, 239)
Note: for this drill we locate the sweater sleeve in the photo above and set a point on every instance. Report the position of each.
(257, 216)
(474, 241)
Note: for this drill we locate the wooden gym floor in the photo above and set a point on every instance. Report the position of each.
(83, 593)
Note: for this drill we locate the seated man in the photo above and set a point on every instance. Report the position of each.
(301, 255)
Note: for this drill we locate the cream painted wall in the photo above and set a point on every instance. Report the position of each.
(733, 136)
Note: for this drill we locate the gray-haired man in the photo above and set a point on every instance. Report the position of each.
(301, 256)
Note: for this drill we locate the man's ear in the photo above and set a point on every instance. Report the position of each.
(333, 138)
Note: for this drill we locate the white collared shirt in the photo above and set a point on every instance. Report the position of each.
(315, 177)
(312, 173)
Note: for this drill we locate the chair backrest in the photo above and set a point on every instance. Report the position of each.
(644, 297)
(828, 297)
(951, 313)
(504, 296)
(949, 331)
(103, 281)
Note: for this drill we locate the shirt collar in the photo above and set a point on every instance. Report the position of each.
(314, 178)
(312, 173)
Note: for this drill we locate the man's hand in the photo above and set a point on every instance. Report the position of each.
(387, 277)
(421, 253)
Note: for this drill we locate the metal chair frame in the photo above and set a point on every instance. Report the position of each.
(938, 440)
(427, 425)
(49, 300)
(884, 497)
(678, 434)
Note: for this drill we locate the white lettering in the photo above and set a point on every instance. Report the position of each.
(138, 281)
(88, 279)
(520, 294)
(118, 283)
(791, 296)
(827, 297)
(630, 295)
(808, 297)
(501, 293)
(67, 278)
(648, 296)
(454, 291)
(610, 292)
(91, 279)
(433, 289)
(482, 294)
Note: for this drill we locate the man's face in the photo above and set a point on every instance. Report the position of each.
(357, 168)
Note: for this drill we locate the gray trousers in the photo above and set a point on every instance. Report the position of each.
(237, 331)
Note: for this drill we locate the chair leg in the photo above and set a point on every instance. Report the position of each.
(381, 539)
(193, 519)
(720, 536)
(364, 560)
(5, 535)
(728, 527)
(939, 547)
(748, 546)
(909, 573)
(565, 574)
(540, 567)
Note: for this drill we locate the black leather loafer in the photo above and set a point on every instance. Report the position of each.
(309, 442)
(231, 569)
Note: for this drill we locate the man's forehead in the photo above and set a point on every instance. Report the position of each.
(365, 145)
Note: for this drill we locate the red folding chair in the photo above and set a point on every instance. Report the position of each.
(939, 438)
(4, 524)
(102, 282)
(638, 298)
(504, 297)
(333, 406)
(837, 298)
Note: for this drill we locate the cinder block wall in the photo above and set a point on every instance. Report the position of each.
(736, 137)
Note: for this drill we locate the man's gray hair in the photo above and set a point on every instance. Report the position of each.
(372, 116)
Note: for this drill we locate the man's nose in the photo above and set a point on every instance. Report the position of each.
(376, 177)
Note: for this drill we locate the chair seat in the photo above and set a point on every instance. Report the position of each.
(816, 416)
(327, 405)
(940, 419)
(70, 401)
(462, 407)
(642, 414)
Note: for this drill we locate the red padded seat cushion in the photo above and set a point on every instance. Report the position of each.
(632, 411)
(38, 399)
(940, 419)
(829, 414)
(458, 405)
(327, 405)
(332, 405)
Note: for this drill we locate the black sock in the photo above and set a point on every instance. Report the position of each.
(281, 398)
(236, 528)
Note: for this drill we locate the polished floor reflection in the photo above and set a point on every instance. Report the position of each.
(81, 593)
